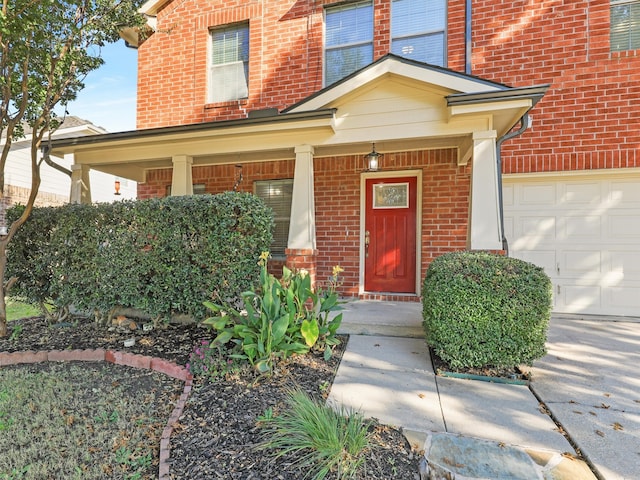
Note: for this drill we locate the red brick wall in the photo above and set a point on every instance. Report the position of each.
(285, 64)
(445, 203)
(445, 209)
(588, 119)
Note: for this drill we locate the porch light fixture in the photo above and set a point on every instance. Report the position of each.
(373, 159)
(117, 187)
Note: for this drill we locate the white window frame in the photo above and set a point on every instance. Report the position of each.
(228, 81)
(632, 44)
(425, 33)
(336, 9)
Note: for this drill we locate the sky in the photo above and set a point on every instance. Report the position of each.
(109, 97)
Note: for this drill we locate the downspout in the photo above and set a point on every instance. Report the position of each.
(524, 124)
(467, 37)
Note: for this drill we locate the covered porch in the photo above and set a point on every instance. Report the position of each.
(406, 108)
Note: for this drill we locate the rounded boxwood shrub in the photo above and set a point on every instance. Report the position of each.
(482, 309)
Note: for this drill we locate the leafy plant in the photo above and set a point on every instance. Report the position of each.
(317, 327)
(321, 439)
(276, 321)
(482, 309)
(161, 256)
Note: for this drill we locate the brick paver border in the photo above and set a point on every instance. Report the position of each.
(119, 358)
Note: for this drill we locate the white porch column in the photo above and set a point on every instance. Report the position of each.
(80, 184)
(182, 179)
(302, 230)
(485, 233)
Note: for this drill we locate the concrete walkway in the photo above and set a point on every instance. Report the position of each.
(587, 382)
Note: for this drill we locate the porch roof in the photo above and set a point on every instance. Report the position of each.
(397, 103)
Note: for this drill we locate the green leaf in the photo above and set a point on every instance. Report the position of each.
(327, 353)
(329, 303)
(217, 323)
(335, 323)
(310, 331)
(279, 329)
(263, 366)
(296, 347)
(223, 338)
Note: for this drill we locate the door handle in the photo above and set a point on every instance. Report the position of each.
(367, 240)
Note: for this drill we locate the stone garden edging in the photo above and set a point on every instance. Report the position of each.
(119, 358)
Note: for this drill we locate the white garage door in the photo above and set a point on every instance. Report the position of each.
(585, 233)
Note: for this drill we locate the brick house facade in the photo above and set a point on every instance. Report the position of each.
(442, 121)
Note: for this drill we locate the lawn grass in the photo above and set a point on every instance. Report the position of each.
(17, 309)
(81, 420)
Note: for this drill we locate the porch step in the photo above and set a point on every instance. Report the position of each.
(389, 319)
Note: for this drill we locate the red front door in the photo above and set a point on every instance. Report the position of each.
(390, 235)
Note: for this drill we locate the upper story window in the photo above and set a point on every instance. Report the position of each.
(625, 25)
(348, 39)
(418, 30)
(229, 67)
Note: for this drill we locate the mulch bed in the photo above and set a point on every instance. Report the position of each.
(216, 436)
(515, 373)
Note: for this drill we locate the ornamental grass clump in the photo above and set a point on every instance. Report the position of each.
(486, 310)
(320, 439)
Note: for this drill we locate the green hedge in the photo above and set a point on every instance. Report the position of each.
(162, 256)
(481, 309)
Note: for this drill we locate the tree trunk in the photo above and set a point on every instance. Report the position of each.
(3, 323)
(3, 303)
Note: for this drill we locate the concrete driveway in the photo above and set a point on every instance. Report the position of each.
(590, 381)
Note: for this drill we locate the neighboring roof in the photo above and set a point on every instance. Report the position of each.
(70, 126)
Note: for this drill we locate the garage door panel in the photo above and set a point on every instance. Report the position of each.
(543, 258)
(624, 226)
(626, 264)
(580, 227)
(539, 229)
(507, 195)
(537, 194)
(582, 264)
(625, 193)
(579, 298)
(626, 297)
(580, 193)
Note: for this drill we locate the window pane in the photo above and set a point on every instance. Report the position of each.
(230, 44)
(344, 61)
(229, 71)
(428, 49)
(349, 24)
(277, 194)
(625, 26)
(228, 82)
(348, 39)
(417, 16)
(418, 30)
